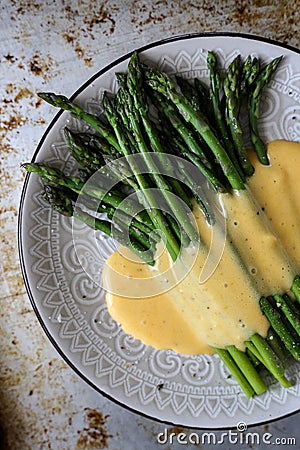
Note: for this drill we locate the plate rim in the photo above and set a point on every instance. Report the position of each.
(82, 87)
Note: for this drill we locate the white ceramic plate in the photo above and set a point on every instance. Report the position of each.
(190, 391)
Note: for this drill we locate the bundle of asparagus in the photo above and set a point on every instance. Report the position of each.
(200, 124)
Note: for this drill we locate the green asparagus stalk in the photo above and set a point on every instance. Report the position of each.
(53, 176)
(283, 303)
(175, 205)
(232, 96)
(62, 102)
(198, 96)
(89, 159)
(64, 205)
(148, 198)
(255, 361)
(119, 115)
(255, 97)
(162, 83)
(192, 150)
(249, 73)
(276, 320)
(87, 150)
(190, 92)
(96, 143)
(162, 184)
(215, 96)
(247, 369)
(277, 345)
(269, 359)
(296, 287)
(236, 371)
(178, 147)
(204, 100)
(136, 89)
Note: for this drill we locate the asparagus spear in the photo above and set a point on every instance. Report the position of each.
(236, 371)
(162, 83)
(161, 182)
(255, 97)
(89, 159)
(136, 89)
(178, 147)
(247, 369)
(249, 73)
(176, 206)
(284, 303)
(204, 100)
(192, 150)
(87, 150)
(296, 287)
(269, 358)
(64, 205)
(198, 95)
(277, 345)
(125, 125)
(96, 143)
(62, 102)
(275, 318)
(232, 96)
(215, 96)
(147, 198)
(53, 176)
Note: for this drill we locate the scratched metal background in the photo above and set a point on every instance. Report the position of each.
(47, 45)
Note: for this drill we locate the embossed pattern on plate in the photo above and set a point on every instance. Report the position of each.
(195, 391)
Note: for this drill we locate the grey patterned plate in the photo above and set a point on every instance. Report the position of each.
(193, 391)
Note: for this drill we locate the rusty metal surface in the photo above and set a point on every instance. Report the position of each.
(57, 46)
